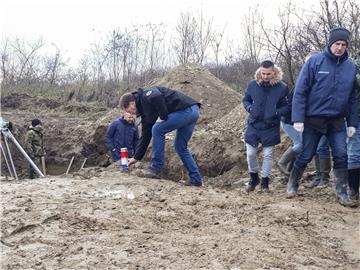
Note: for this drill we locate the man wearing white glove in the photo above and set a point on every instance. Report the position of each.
(324, 102)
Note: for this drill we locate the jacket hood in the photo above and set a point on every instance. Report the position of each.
(277, 78)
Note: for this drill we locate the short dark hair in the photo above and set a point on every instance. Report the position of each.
(267, 64)
(126, 99)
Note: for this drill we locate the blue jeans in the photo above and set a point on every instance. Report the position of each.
(353, 150)
(184, 122)
(323, 149)
(311, 139)
(294, 135)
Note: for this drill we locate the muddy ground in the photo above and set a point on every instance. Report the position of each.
(105, 219)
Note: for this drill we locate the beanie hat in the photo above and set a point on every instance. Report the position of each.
(35, 122)
(339, 33)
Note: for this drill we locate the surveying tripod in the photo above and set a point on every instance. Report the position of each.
(6, 134)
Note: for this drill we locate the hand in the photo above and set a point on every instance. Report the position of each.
(115, 155)
(350, 131)
(299, 127)
(132, 161)
(129, 117)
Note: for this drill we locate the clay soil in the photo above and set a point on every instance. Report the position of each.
(105, 219)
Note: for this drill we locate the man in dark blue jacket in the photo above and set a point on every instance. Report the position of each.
(266, 100)
(121, 133)
(324, 97)
(177, 112)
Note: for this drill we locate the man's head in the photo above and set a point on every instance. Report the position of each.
(339, 39)
(267, 71)
(36, 123)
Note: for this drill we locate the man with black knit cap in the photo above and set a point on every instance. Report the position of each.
(34, 145)
(324, 103)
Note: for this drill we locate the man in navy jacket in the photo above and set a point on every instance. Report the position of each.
(324, 103)
(176, 111)
(266, 100)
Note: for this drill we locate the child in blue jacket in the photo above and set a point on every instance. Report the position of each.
(121, 133)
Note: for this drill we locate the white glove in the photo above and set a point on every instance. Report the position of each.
(299, 127)
(350, 131)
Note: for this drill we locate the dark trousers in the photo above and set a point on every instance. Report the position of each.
(32, 173)
(337, 142)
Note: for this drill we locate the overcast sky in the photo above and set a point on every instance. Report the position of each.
(74, 24)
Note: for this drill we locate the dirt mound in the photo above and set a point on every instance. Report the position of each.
(196, 81)
(217, 148)
(24, 101)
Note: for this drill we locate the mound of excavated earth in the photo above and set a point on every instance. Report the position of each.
(217, 98)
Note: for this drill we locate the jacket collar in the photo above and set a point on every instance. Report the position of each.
(330, 55)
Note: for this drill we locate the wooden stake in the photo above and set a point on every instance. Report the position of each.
(71, 161)
(43, 165)
(83, 164)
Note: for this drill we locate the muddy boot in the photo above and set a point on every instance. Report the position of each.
(293, 183)
(285, 159)
(354, 178)
(152, 173)
(254, 181)
(341, 182)
(325, 168)
(290, 165)
(265, 184)
(316, 180)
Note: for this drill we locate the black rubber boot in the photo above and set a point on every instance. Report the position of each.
(341, 181)
(325, 168)
(254, 181)
(354, 178)
(291, 164)
(265, 184)
(316, 180)
(293, 183)
(285, 159)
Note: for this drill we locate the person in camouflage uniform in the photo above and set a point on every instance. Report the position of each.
(353, 147)
(34, 145)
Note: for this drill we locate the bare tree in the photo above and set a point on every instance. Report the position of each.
(27, 58)
(203, 36)
(216, 42)
(252, 35)
(186, 29)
